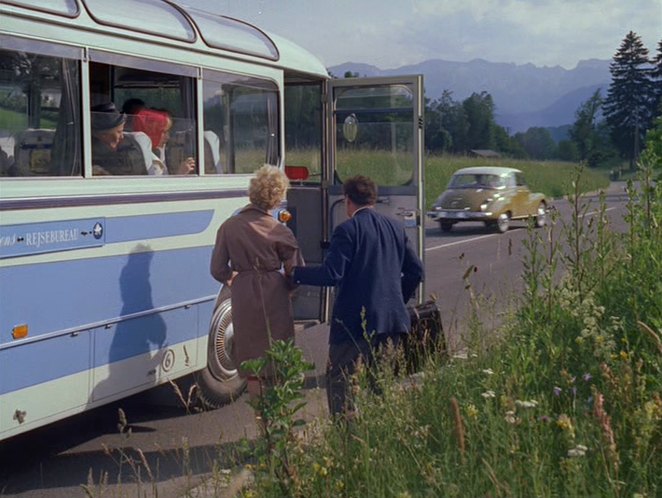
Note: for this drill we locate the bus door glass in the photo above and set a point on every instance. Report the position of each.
(304, 165)
(375, 129)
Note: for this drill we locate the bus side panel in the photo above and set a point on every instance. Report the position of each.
(136, 353)
(50, 297)
(64, 357)
(39, 404)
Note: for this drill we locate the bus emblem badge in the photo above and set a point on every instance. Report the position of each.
(97, 230)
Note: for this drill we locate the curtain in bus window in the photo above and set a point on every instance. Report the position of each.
(66, 155)
(272, 140)
(182, 142)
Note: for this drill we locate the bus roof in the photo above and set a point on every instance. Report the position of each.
(176, 24)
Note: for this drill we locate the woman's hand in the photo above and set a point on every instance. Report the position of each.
(231, 279)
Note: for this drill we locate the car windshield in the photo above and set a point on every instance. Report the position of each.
(476, 180)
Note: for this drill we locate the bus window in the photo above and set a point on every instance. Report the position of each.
(39, 115)
(240, 122)
(158, 131)
(303, 129)
(375, 122)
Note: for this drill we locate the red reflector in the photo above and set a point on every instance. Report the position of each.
(297, 172)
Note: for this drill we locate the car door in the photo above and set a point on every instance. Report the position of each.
(521, 197)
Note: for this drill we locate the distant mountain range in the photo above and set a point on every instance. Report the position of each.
(524, 95)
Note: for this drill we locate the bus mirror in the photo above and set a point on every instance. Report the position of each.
(297, 173)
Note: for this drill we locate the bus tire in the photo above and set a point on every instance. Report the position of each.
(219, 382)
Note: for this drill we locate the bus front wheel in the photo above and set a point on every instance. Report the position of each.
(219, 382)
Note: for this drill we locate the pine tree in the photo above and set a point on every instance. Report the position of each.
(628, 108)
(657, 81)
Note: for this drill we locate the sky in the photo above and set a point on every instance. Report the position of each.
(393, 33)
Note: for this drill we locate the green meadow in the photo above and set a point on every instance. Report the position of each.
(563, 399)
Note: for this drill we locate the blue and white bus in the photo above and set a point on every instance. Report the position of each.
(105, 288)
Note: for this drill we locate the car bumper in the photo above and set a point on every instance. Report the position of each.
(449, 215)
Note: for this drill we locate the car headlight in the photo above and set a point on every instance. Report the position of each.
(486, 204)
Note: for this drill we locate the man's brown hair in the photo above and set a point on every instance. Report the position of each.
(361, 190)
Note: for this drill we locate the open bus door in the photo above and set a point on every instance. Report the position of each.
(372, 127)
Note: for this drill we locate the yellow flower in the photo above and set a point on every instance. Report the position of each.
(623, 355)
(564, 422)
(472, 411)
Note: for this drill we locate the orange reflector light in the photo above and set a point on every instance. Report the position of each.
(284, 216)
(20, 331)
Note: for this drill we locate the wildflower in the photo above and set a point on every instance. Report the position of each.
(459, 426)
(510, 417)
(472, 411)
(318, 469)
(526, 404)
(544, 419)
(488, 394)
(557, 391)
(578, 451)
(607, 432)
(488, 371)
(564, 422)
(587, 377)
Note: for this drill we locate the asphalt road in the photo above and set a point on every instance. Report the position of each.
(179, 448)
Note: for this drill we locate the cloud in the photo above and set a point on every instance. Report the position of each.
(390, 33)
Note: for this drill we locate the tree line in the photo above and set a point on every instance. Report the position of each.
(606, 129)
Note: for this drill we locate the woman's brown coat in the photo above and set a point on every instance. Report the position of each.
(256, 246)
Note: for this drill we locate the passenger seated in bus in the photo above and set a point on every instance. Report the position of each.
(113, 153)
(156, 124)
(130, 108)
(212, 153)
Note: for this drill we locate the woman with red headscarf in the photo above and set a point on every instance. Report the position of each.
(156, 125)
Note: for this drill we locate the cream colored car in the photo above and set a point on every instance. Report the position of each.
(492, 195)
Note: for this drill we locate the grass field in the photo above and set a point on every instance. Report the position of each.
(553, 178)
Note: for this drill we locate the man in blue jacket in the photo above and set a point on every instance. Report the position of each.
(375, 271)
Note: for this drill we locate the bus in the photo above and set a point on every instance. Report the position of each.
(105, 288)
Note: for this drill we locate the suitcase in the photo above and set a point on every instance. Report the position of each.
(426, 337)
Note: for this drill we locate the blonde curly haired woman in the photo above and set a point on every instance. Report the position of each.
(252, 250)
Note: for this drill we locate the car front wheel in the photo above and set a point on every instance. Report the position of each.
(446, 226)
(541, 215)
(503, 222)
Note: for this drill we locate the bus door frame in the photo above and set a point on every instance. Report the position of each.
(401, 202)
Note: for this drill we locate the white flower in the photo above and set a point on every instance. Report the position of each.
(488, 394)
(578, 451)
(488, 371)
(527, 404)
(510, 417)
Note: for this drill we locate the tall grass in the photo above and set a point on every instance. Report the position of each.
(569, 403)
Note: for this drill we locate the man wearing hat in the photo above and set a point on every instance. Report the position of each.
(114, 153)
